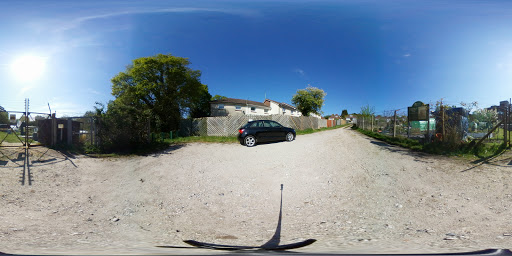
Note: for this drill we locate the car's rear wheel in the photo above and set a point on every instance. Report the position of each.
(289, 136)
(250, 141)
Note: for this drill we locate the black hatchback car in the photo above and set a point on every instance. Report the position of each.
(264, 131)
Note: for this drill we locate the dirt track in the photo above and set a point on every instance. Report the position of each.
(349, 192)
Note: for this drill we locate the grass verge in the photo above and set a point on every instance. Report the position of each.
(465, 150)
(207, 139)
(11, 138)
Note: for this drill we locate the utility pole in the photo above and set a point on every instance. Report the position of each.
(394, 125)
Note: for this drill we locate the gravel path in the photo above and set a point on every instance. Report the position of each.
(351, 193)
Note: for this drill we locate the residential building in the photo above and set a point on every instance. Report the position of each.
(230, 106)
(279, 108)
(334, 117)
(351, 119)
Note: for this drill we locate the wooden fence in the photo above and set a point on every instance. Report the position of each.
(228, 125)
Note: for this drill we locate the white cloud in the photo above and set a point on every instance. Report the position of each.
(407, 55)
(300, 72)
(78, 21)
(94, 91)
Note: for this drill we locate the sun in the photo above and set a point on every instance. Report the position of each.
(28, 68)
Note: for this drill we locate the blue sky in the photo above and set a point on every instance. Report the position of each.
(387, 54)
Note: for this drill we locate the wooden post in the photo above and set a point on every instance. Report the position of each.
(91, 130)
(509, 115)
(54, 130)
(394, 125)
(70, 131)
(408, 129)
(442, 122)
(371, 118)
(428, 124)
(506, 126)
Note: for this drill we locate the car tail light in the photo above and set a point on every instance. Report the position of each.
(241, 131)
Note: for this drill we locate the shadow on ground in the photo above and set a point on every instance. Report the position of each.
(418, 156)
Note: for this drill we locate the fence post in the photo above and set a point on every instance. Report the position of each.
(428, 124)
(70, 131)
(505, 126)
(442, 122)
(54, 130)
(394, 125)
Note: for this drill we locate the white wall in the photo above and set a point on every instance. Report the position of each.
(230, 109)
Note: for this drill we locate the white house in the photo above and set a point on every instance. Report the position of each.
(351, 119)
(230, 106)
(279, 108)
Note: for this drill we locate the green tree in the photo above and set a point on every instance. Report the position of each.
(201, 108)
(309, 100)
(4, 117)
(367, 111)
(218, 97)
(161, 86)
(344, 113)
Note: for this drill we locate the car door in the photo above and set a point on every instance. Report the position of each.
(266, 130)
(278, 131)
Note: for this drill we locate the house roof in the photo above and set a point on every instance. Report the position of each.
(240, 101)
(283, 105)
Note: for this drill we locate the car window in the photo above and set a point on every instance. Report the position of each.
(266, 123)
(275, 124)
(253, 124)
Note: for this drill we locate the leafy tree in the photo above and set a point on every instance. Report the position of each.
(327, 116)
(218, 97)
(201, 108)
(309, 100)
(121, 127)
(344, 113)
(484, 115)
(162, 86)
(4, 117)
(367, 111)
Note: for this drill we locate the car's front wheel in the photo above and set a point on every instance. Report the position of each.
(289, 136)
(250, 141)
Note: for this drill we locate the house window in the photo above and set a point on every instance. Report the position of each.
(220, 106)
(284, 111)
(266, 110)
(293, 112)
(238, 107)
(253, 109)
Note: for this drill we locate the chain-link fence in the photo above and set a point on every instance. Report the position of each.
(445, 123)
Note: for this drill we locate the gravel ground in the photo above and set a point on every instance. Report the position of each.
(351, 193)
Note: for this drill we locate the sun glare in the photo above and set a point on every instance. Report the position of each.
(28, 68)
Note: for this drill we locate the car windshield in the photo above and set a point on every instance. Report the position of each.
(310, 126)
